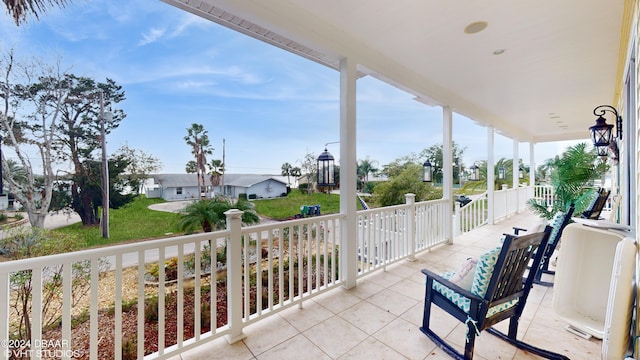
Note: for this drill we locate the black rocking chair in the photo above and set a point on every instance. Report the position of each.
(597, 205)
(505, 297)
(559, 222)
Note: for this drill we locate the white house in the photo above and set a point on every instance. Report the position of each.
(172, 187)
(255, 186)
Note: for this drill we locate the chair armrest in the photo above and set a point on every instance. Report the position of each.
(464, 292)
(517, 230)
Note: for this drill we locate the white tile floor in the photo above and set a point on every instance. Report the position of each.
(381, 316)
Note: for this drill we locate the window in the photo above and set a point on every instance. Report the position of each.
(179, 190)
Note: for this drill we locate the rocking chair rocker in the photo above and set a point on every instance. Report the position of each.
(499, 292)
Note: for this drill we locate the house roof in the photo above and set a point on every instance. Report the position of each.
(247, 180)
(239, 180)
(535, 72)
(179, 180)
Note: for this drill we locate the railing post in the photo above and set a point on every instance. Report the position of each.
(234, 275)
(456, 220)
(411, 224)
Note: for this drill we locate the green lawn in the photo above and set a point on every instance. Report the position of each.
(285, 207)
(134, 221)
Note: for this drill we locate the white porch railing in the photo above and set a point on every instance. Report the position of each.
(544, 194)
(510, 201)
(470, 216)
(268, 268)
(389, 234)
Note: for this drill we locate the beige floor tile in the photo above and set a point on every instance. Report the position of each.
(383, 279)
(367, 317)
(414, 314)
(298, 347)
(335, 336)
(392, 301)
(219, 349)
(268, 333)
(372, 349)
(365, 289)
(405, 338)
(409, 289)
(563, 342)
(486, 345)
(337, 300)
(401, 269)
(310, 315)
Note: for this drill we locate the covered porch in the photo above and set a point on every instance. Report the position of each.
(380, 317)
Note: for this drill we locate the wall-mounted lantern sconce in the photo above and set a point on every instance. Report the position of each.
(475, 173)
(427, 172)
(520, 173)
(501, 173)
(601, 132)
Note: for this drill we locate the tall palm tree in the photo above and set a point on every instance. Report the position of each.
(286, 171)
(365, 167)
(18, 9)
(208, 215)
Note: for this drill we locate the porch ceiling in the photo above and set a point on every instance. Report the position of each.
(559, 59)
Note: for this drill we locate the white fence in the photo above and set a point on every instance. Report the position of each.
(196, 287)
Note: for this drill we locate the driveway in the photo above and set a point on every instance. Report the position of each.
(171, 206)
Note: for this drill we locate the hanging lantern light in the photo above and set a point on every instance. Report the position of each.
(501, 173)
(475, 172)
(326, 169)
(427, 172)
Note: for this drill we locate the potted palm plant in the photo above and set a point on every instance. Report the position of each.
(572, 177)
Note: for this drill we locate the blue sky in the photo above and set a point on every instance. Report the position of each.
(271, 106)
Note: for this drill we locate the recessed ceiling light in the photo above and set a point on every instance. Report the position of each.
(475, 27)
(499, 52)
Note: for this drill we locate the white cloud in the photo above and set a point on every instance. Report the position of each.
(151, 36)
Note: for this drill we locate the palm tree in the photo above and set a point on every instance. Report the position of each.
(365, 167)
(571, 178)
(208, 215)
(198, 139)
(18, 9)
(286, 171)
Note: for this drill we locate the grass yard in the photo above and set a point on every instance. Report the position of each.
(134, 221)
(285, 207)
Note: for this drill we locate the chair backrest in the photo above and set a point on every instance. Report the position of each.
(559, 222)
(597, 205)
(506, 282)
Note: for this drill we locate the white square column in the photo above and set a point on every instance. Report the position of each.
(348, 181)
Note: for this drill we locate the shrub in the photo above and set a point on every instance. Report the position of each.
(3, 217)
(151, 309)
(130, 349)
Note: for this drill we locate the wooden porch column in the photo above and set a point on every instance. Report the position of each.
(447, 169)
(348, 181)
(490, 177)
